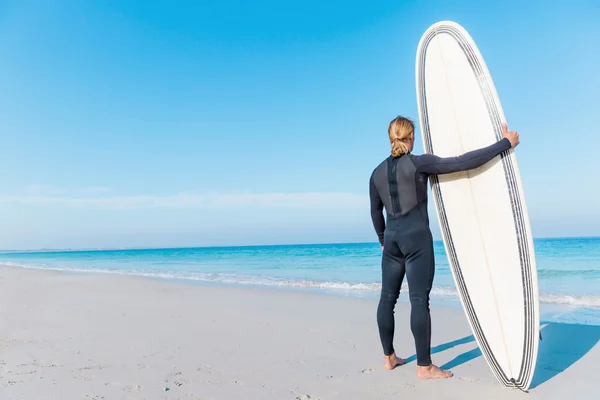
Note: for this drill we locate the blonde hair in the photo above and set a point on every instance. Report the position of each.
(399, 132)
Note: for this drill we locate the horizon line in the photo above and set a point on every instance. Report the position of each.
(99, 249)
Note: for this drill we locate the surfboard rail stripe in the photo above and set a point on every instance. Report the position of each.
(484, 80)
(511, 181)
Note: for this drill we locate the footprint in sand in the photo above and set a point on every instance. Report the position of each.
(126, 387)
(29, 372)
(367, 370)
(304, 397)
(209, 369)
(47, 365)
(176, 378)
(90, 367)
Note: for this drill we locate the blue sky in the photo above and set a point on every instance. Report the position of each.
(145, 123)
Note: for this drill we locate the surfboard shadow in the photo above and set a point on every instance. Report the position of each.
(444, 347)
(562, 346)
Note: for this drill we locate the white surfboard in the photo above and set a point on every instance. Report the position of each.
(482, 212)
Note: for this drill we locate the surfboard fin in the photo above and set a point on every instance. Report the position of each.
(540, 335)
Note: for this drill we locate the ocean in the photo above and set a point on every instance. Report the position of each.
(568, 270)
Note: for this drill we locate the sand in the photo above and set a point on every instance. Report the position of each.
(85, 336)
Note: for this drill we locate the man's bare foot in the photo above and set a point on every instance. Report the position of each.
(392, 362)
(432, 372)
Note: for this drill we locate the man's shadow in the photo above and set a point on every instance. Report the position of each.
(562, 345)
(447, 346)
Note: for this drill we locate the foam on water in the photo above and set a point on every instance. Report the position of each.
(587, 301)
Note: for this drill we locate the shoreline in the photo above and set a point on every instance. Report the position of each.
(555, 307)
(68, 336)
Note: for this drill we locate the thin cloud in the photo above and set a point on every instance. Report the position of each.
(333, 201)
(43, 190)
(96, 189)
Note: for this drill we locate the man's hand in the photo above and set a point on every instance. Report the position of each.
(512, 136)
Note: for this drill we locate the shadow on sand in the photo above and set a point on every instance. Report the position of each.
(462, 359)
(562, 346)
(444, 347)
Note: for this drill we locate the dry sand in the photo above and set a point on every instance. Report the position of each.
(77, 336)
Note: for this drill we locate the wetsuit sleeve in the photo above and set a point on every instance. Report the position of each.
(376, 210)
(431, 164)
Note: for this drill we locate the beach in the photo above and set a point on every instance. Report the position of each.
(100, 336)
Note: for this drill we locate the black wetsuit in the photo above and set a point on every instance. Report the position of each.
(400, 185)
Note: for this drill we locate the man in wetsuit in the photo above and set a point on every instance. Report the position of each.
(399, 184)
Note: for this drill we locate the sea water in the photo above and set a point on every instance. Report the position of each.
(568, 270)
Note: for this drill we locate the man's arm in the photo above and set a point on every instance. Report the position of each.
(376, 210)
(430, 164)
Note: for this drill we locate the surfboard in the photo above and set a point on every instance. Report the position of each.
(482, 212)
